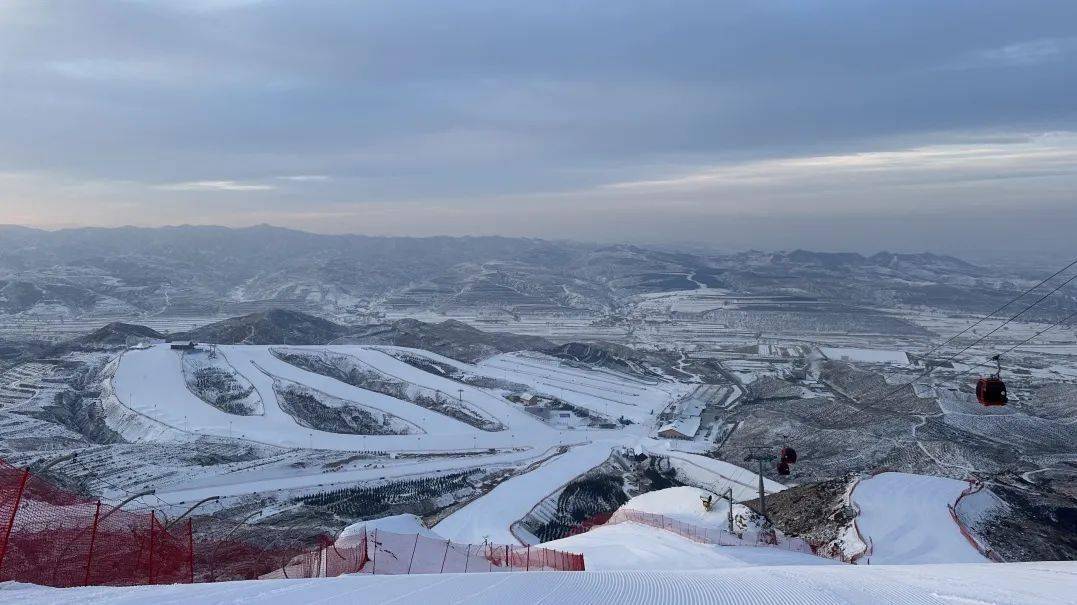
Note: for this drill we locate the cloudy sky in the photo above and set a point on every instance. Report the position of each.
(833, 125)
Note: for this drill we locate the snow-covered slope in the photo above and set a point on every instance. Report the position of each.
(150, 382)
(906, 518)
(608, 393)
(682, 504)
(716, 475)
(397, 524)
(627, 546)
(1010, 584)
(491, 516)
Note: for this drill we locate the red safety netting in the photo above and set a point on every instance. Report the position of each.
(54, 537)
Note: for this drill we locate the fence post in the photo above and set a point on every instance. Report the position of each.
(153, 522)
(11, 521)
(527, 565)
(374, 559)
(414, 547)
(93, 538)
(445, 556)
(508, 562)
(190, 548)
(467, 558)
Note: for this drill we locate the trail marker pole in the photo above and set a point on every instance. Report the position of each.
(445, 556)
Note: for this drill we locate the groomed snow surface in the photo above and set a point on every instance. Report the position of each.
(490, 517)
(681, 504)
(631, 546)
(150, 382)
(907, 520)
(1006, 584)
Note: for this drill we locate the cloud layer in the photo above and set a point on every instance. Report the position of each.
(644, 121)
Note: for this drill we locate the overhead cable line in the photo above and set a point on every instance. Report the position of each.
(980, 339)
(992, 314)
(1025, 341)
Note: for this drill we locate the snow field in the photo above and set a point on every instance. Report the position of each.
(907, 520)
(491, 516)
(1011, 584)
(632, 546)
(399, 524)
(682, 504)
(865, 355)
(150, 382)
(605, 392)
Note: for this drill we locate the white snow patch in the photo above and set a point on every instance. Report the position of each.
(491, 516)
(865, 355)
(907, 519)
(397, 524)
(682, 504)
(1025, 583)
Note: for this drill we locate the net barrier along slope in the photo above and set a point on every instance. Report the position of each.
(55, 537)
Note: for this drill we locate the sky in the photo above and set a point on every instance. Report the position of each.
(861, 125)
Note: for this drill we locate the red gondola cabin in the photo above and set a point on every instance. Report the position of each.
(991, 391)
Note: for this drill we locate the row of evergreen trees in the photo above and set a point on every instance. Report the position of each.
(371, 501)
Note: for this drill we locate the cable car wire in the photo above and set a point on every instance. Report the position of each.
(992, 314)
(977, 341)
(1023, 342)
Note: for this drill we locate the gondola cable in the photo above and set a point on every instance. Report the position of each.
(992, 314)
(978, 340)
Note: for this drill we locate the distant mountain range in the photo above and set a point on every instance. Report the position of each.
(451, 338)
(201, 271)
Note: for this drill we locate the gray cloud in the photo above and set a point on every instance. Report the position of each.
(425, 116)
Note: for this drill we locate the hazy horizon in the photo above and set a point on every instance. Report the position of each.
(1023, 258)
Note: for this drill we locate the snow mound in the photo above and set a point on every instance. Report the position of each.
(908, 521)
(397, 524)
(682, 504)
